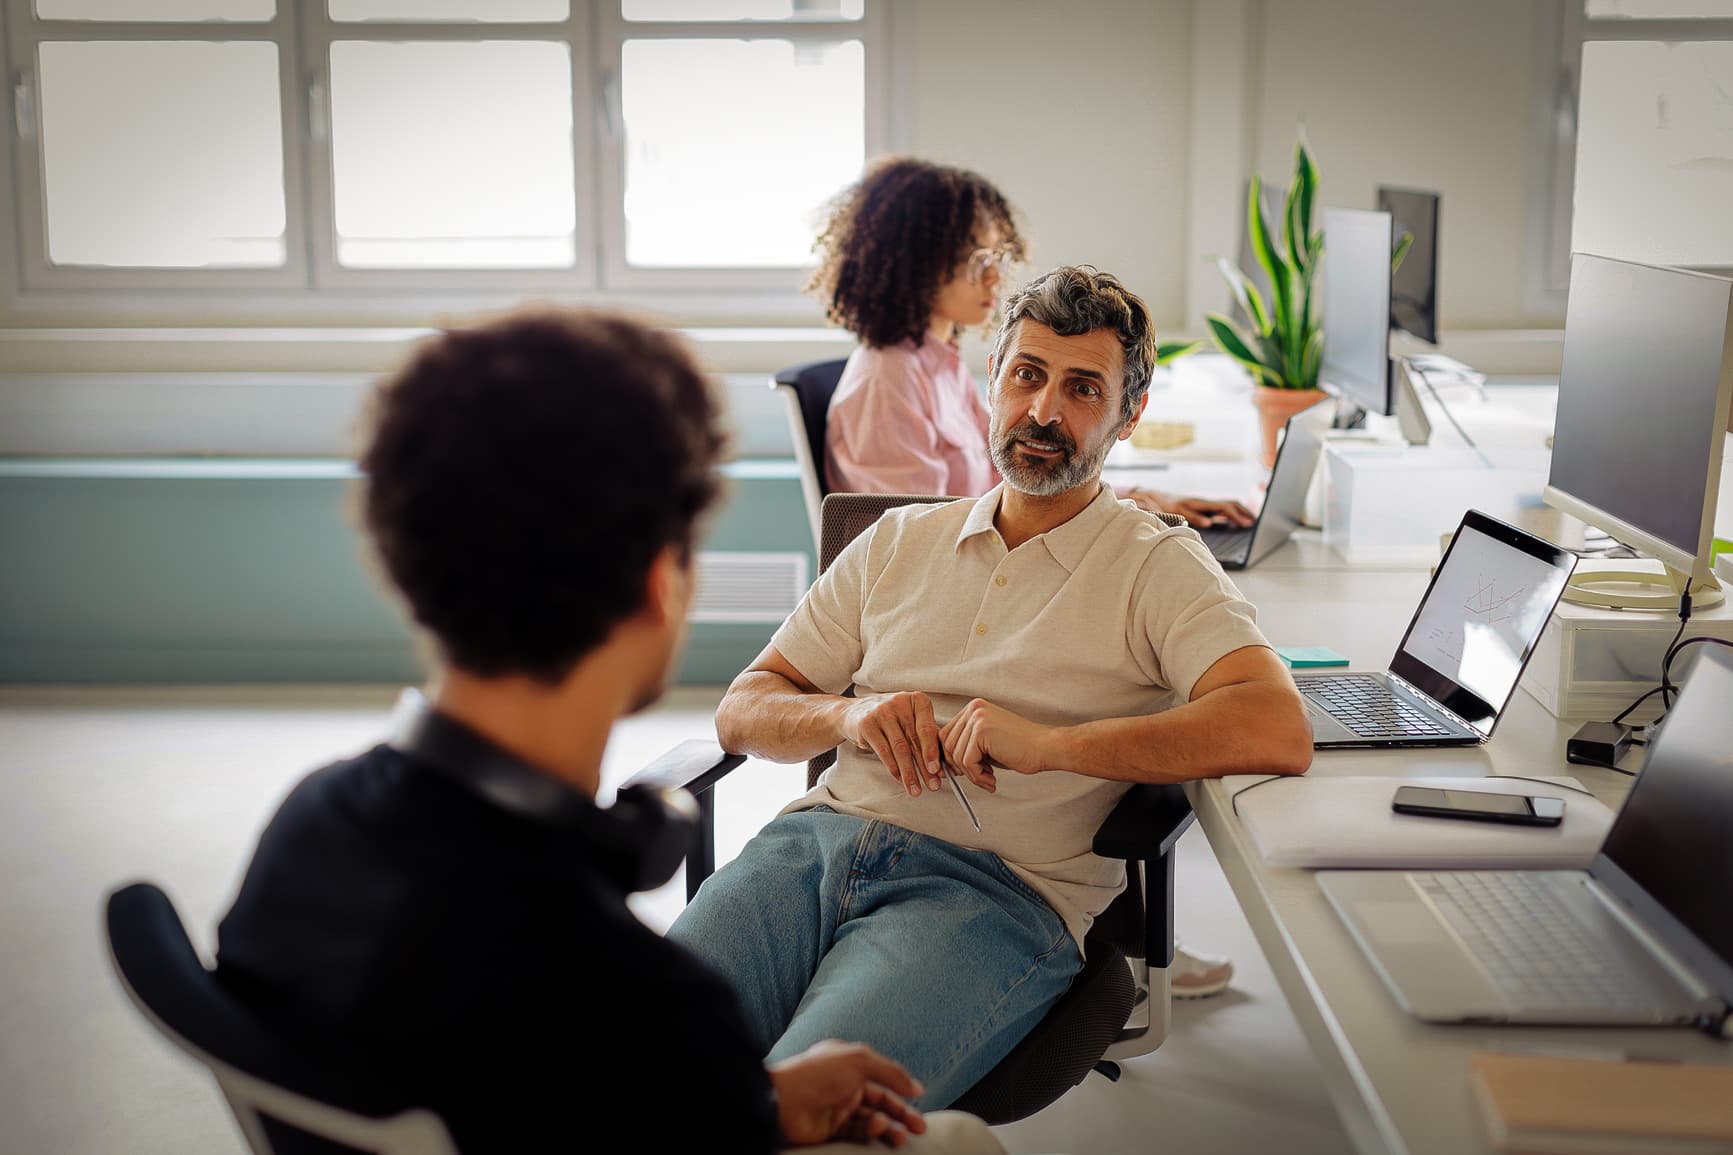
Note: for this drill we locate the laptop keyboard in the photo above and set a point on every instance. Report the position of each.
(1227, 543)
(1368, 706)
(1531, 944)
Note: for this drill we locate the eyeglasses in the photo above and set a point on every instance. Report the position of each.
(982, 260)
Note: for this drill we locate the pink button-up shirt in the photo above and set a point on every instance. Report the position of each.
(908, 419)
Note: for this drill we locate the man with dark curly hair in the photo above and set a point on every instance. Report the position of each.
(1047, 641)
(449, 908)
(910, 256)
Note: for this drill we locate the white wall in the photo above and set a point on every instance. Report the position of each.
(1079, 112)
(1425, 94)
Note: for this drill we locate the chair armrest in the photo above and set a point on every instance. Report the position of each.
(1145, 824)
(696, 765)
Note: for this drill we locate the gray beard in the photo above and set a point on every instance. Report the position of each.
(1066, 473)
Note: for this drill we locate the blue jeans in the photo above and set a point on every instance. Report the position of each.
(833, 927)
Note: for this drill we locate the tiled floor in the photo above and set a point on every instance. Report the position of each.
(101, 786)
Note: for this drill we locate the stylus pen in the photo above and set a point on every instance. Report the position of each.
(957, 788)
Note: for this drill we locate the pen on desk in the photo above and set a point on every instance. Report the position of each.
(957, 788)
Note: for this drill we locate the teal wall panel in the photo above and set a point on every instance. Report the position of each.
(253, 572)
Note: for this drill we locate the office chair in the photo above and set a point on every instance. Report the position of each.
(285, 1103)
(1127, 950)
(807, 389)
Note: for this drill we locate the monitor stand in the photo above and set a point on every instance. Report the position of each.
(1410, 414)
(1411, 419)
(1348, 415)
(1641, 590)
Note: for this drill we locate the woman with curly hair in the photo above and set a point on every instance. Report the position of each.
(912, 254)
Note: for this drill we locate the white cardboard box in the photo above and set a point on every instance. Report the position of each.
(1392, 503)
(1591, 663)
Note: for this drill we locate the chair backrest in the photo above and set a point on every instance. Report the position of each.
(807, 389)
(325, 1105)
(842, 518)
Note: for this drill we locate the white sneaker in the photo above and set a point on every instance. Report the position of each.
(1197, 976)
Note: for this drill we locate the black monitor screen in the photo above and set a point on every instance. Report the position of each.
(1671, 839)
(1638, 395)
(1356, 292)
(1414, 285)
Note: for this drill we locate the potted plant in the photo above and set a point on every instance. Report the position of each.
(1283, 344)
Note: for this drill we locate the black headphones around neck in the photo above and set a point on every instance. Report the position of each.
(640, 839)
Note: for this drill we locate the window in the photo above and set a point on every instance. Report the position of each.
(1643, 165)
(403, 145)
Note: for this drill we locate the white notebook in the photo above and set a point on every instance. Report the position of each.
(1347, 822)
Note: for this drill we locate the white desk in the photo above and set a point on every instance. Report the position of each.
(1400, 1085)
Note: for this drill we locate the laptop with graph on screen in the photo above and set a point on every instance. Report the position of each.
(1465, 648)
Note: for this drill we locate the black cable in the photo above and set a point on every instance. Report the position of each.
(1253, 786)
(1626, 712)
(1544, 782)
(1678, 647)
(1667, 658)
(1665, 689)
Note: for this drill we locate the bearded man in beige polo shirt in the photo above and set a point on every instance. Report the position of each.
(1052, 644)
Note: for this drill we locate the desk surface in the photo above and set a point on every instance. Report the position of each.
(1400, 1085)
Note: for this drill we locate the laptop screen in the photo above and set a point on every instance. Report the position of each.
(1669, 853)
(1481, 617)
(1285, 502)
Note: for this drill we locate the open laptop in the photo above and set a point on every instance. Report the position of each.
(1464, 651)
(1641, 937)
(1237, 547)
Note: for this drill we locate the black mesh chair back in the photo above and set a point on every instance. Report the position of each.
(286, 1103)
(808, 389)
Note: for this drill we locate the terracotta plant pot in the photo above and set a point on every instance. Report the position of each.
(1275, 406)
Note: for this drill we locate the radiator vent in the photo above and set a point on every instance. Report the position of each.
(748, 587)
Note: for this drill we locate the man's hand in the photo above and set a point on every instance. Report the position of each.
(848, 1091)
(1197, 511)
(983, 736)
(901, 730)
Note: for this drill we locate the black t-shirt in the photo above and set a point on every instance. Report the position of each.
(485, 962)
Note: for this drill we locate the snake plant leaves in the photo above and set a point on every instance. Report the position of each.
(1230, 342)
(1285, 346)
(1167, 352)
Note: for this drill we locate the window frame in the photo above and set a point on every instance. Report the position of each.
(311, 282)
(318, 33)
(1571, 28)
(30, 211)
(870, 30)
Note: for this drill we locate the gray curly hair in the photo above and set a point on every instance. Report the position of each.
(1076, 299)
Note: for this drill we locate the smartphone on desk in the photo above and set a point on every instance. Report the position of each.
(1475, 806)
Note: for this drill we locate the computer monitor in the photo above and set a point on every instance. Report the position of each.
(1414, 286)
(1645, 394)
(1356, 292)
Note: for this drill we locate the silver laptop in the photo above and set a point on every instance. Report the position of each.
(1643, 936)
(1465, 648)
(1237, 547)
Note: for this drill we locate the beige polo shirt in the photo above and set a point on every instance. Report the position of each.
(1111, 614)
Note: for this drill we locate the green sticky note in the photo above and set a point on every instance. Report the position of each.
(1307, 657)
